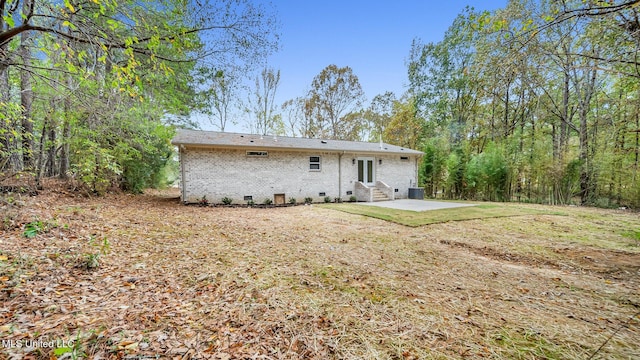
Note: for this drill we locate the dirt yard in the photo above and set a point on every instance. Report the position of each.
(144, 277)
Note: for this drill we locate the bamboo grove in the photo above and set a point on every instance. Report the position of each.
(537, 102)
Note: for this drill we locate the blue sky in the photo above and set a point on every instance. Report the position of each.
(372, 37)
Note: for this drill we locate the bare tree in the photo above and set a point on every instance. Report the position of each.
(262, 103)
(293, 117)
(220, 97)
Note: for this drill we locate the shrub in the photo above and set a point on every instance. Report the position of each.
(353, 198)
(338, 200)
(251, 202)
(36, 227)
(203, 201)
(267, 201)
(33, 228)
(292, 201)
(227, 201)
(308, 200)
(92, 259)
(327, 199)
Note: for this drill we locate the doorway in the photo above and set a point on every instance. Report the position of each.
(366, 171)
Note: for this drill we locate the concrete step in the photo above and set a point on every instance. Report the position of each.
(379, 195)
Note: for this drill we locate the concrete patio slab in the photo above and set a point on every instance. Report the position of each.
(415, 205)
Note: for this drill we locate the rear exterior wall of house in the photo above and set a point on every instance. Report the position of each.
(261, 174)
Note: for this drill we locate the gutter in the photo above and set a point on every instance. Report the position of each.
(406, 152)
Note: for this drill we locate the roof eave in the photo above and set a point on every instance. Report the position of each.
(281, 148)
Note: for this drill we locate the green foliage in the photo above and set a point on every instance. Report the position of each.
(432, 168)
(227, 200)
(145, 156)
(516, 105)
(131, 154)
(251, 202)
(203, 201)
(456, 166)
(632, 234)
(75, 350)
(107, 77)
(93, 165)
(327, 199)
(570, 181)
(267, 201)
(92, 259)
(292, 201)
(352, 198)
(33, 228)
(634, 196)
(308, 200)
(333, 104)
(406, 127)
(487, 175)
(10, 113)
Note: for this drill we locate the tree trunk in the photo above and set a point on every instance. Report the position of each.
(635, 163)
(64, 149)
(40, 157)
(66, 133)
(564, 124)
(51, 144)
(5, 125)
(26, 95)
(506, 111)
(587, 185)
(51, 152)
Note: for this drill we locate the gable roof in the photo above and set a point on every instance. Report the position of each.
(216, 139)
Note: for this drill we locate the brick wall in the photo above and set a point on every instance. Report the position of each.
(231, 173)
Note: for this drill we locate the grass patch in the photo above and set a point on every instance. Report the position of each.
(420, 218)
(632, 234)
(525, 344)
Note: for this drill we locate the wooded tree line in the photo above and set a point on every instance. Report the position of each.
(87, 88)
(539, 101)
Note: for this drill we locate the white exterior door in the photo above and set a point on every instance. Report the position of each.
(366, 171)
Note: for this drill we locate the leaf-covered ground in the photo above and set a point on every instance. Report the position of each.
(144, 277)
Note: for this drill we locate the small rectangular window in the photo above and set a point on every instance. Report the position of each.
(404, 158)
(257, 154)
(314, 163)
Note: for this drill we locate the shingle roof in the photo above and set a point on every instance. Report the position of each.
(236, 140)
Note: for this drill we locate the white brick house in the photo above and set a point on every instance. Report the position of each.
(247, 167)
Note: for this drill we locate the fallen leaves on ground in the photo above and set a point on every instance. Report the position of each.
(304, 283)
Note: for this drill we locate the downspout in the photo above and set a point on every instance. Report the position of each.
(183, 182)
(416, 173)
(340, 175)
